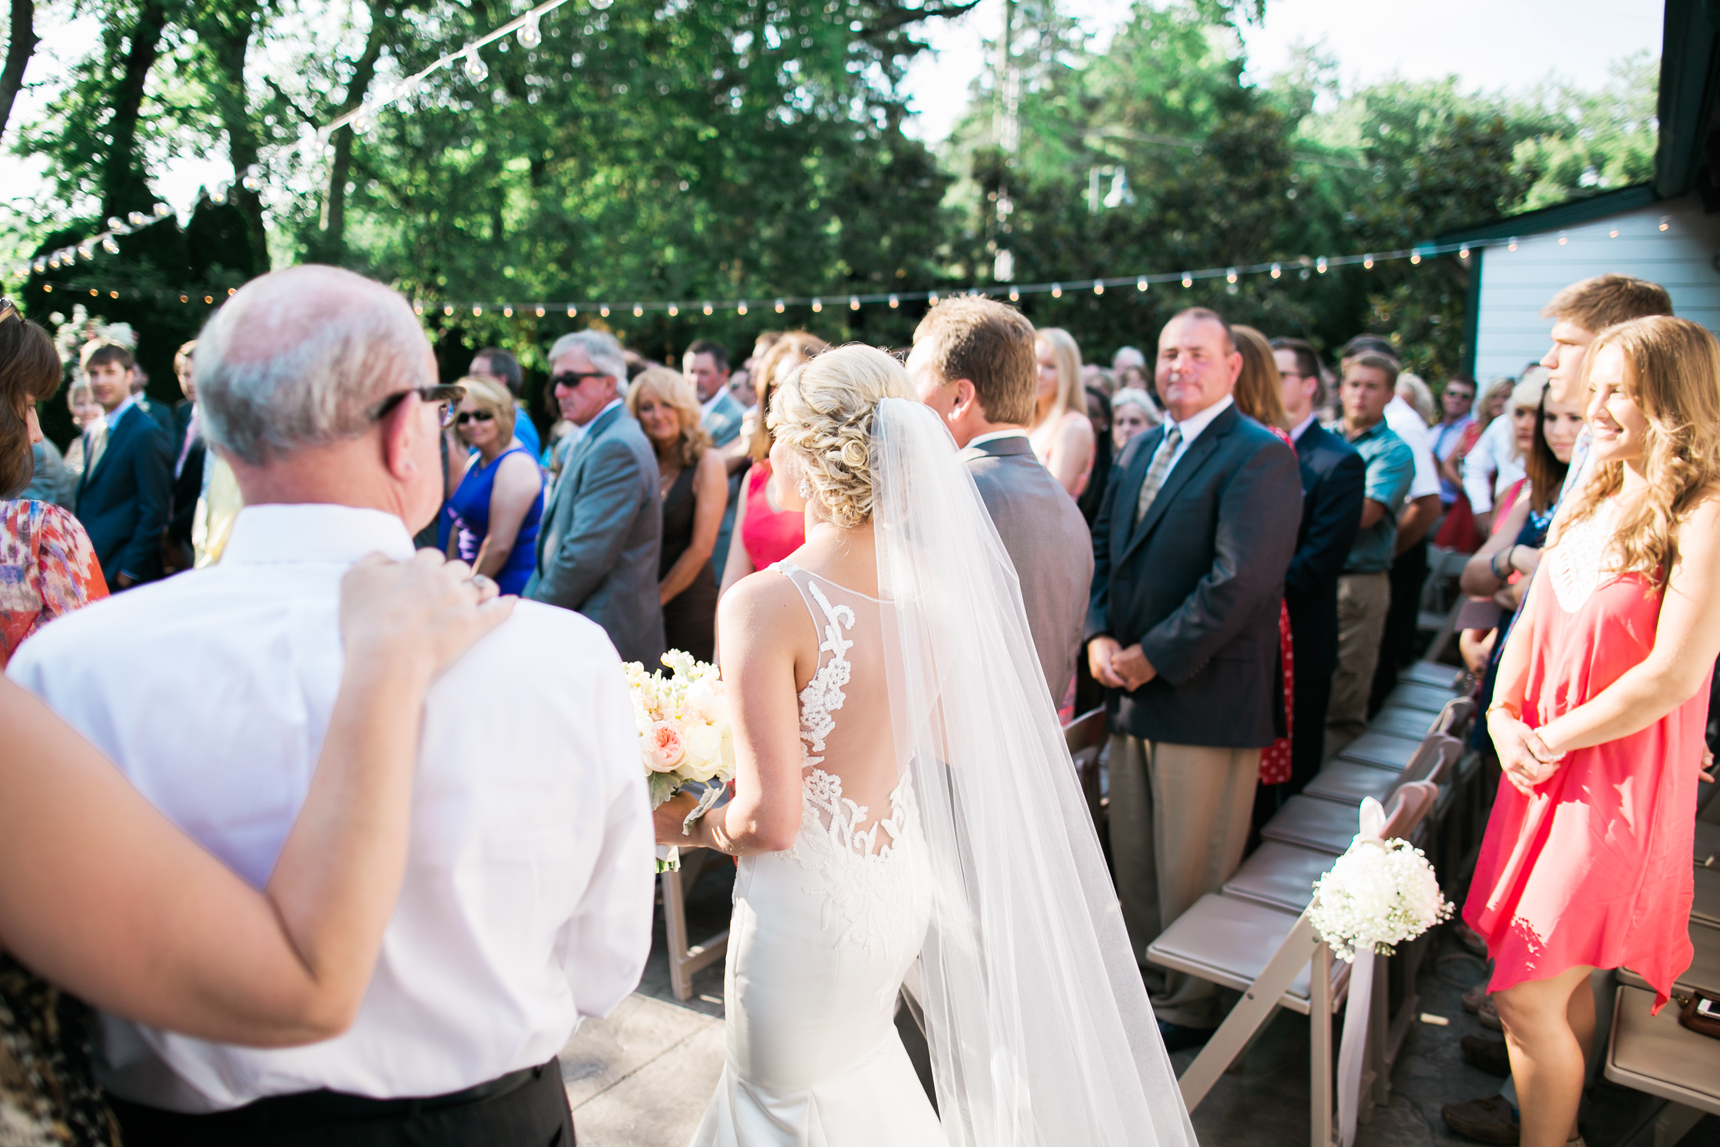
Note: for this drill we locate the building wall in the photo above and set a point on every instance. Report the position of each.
(1515, 285)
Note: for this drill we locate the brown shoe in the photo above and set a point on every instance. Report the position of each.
(1489, 1016)
(1487, 1054)
(1470, 939)
(1488, 1120)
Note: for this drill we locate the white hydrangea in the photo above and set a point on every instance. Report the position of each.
(1383, 891)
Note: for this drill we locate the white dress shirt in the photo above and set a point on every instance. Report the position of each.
(527, 898)
(1191, 429)
(1301, 427)
(1492, 464)
(1407, 423)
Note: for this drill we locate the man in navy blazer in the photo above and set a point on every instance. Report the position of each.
(124, 494)
(1332, 480)
(1190, 547)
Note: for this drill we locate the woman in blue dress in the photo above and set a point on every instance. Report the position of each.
(498, 504)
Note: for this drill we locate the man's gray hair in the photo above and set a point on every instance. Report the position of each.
(601, 347)
(301, 357)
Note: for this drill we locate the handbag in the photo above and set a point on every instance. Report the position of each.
(1700, 1014)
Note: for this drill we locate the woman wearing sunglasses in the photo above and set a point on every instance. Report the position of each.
(498, 503)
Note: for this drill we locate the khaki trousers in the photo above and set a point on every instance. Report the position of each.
(1179, 819)
(1364, 600)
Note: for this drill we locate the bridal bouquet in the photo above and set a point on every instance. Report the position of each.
(1380, 892)
(684, 734)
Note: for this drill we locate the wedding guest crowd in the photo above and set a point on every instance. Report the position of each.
(1238, 580)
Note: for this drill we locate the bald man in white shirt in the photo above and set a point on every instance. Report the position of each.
(527, 898)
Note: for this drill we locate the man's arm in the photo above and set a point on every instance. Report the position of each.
(1258, 517)
(1479, 466)
(603, 511)
(153, 473)
(1416, 520)
(1334, 518)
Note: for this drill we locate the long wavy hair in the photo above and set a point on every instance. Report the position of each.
(29, 373)
(672, 387)
(1673, 373)
(1066, 356)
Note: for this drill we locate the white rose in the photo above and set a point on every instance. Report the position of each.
(704, 757)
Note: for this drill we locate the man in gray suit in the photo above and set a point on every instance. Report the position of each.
(973, 362)
(597, 550)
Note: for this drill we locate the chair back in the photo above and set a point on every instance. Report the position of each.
(1410, 804)
(1086, 736)
(1432, 760)
(1455, 717)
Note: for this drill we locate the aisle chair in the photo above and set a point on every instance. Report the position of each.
(1086, 736)
(686, 959)
(1348, 782)
(1275, 959)
(1435, 673)
(1325, 824)
(1660, 1057)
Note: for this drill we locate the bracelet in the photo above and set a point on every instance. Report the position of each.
(1493, 562)
(1516, 713)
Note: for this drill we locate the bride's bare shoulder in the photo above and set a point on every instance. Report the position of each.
(764, 607)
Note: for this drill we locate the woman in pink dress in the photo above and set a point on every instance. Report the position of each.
(1598, 718)
(1061, 434)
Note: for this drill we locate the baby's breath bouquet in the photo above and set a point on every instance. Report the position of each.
(685, 737)
(1381, 892)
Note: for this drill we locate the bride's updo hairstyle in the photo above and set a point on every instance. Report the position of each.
(823, 413)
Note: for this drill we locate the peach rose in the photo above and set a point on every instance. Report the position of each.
(665, 748)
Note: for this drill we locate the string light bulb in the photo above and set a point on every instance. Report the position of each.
(707, 308)
(1367, 262)
(448, 309)
(1098, 287)
(417, 308)
(253, 180)
(477, 311)
(1141, 283)
(508, 312)
(572, 310)
(1512, 245)
(779, 306)
(1277, 270)
(540, 310)
(1014, 295)
(931, 298)
(1188, 280)
(638, 311)
(1230, 275)
(674, 309)
(110, 245)
(529, 34)
(603, 311)
(85, 251)
(895, 302)
(741, 308)
(853, 302)
(1057, 290)
(1463, 251)
(1665, 223)
(1320, 264)
(817, 305)
(41, 265)
(1415, 257)
(473, 65)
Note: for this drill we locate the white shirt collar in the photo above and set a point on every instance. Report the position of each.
(1297, 430)
(996, 435)
(711, 403)
(112, 419)
(314, 532)
(610, 405)
(1191, 428)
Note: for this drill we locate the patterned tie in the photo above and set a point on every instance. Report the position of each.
(1156, 472)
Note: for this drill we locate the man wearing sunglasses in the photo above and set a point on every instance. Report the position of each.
(597, 548)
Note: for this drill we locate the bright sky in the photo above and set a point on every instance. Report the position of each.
(1488, 44)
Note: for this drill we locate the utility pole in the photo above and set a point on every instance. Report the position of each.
(1008, 140)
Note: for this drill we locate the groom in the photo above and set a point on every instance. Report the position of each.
(526, 902)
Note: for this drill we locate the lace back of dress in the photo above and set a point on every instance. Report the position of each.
(851, 773)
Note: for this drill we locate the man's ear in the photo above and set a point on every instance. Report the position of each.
(401, 432)
(967, 399)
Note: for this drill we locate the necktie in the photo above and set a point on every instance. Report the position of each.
(1161, 465)
(95, 444)
(185, 447)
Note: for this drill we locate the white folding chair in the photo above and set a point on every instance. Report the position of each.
(1086, 736)
(1275, 959)
(1657, 1055)
(685, 959)
(1437, 674)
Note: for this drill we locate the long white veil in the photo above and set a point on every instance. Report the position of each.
(1038, 1023)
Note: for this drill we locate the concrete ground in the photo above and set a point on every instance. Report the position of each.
(641, 1078)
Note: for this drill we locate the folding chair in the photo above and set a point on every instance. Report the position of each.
(1441, 676)
(1086, 736)
(1706, 907)
(1275, 959)
(1395, 722)
(1411, 695)
(1656, 1055)
(1382, 750)
(1321, 817)
(685, 959)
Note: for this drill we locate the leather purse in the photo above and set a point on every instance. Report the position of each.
(1700, 1014)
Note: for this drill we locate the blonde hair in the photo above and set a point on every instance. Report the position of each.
(823, 413)
(674, 389)
(1066, 357)
(486, 395)
(1673, 373)
(1259, 388)
(787, 351)
(1419, 396)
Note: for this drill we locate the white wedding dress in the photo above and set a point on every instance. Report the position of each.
(944, 840)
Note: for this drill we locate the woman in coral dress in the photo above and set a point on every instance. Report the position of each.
(1598, 718)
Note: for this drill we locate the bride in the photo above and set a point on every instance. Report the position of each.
(905, 811)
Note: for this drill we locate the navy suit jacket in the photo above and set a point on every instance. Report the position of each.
(1198, 584)
(1333, 476)
(123, 500)
(188, 483)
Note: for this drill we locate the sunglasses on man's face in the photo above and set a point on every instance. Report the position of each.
(572, 378)
(466, 416)
(443, 396)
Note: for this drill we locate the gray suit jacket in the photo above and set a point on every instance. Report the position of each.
(597, 549)
(1048, 542)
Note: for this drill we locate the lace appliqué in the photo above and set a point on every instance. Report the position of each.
(1574, 565)
(854, 876)
(860, 884)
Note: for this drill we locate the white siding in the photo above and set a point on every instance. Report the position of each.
(1515, 285)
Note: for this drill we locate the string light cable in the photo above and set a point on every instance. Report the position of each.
(527, 27)
(1305, 267)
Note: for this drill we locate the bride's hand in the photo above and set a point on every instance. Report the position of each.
(668, 818)
(420, 614)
